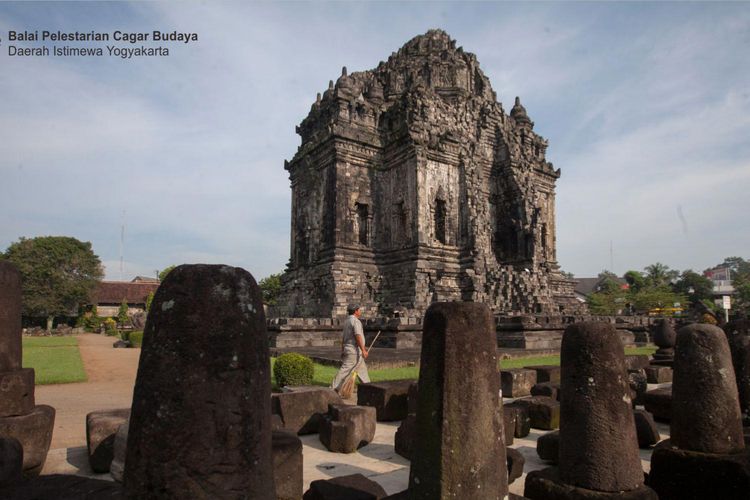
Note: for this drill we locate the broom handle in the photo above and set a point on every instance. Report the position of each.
(373, 342)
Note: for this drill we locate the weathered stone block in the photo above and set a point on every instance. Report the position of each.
(645, 429)
(517, 382)
(412, 398)
(348, 428)
(546, 373)
(404, 438)
(117, 467)
(63, 487)
(390, 399)
(545, 484)
(302, 410)
(636, 361)
(656, 374)
(34, 432)
(16, 392)
(459, 450)
(515, 464)
(705, 405)
(11, 461)
(547, 389)
(658, 402)
(352, 487)
(509, 426)
(521, 418)
(287, 465)
(681, 474)
(10, 317)
(101, 428)
(200, 421)
(598, 444)
(638, 386)
(548, 447)
(544, 412)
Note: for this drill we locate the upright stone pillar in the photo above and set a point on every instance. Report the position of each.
(705, 456)
(200, 422)
(458, 450)
(664, 337)
(20, 418)
(10, 317)
(598, 444)
(738, 334)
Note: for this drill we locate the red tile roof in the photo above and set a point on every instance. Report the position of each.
(113, 292)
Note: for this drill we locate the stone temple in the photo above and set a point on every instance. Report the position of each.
(412, 185)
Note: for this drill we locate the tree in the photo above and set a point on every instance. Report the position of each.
(694, 286)
(270, 287)
(165, 271)
(58, 274)
(660, 274)
(122, 313)
(635, 280)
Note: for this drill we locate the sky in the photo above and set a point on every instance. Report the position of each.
(646, 107)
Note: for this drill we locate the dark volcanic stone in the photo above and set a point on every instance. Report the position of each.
(521, 419)
(739, 345)
(459, 450)
(302, 411)
(63, 487)
(517, 382)
(545, 484)
(412, 398)
(636, 361)
(390, 398)
(515, 464)
(658, 402)
(11, 461)
(117, 467)
(737, 327)
(404, 439)
(348, 427)
(664, 334)
(34, 432)
(543, 412)
(548, 389)
(546, 373)
(287, 465)
(598, 444)
(10, 317)
(16, 392)
(101, 428)
(690, 475)
(509, 426)
(645, 428)
(548, 447)
(638, 386)
(705, 406)
(200, 421)
(656, 374)
(353, 487)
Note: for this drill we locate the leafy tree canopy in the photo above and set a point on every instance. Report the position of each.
(165, 271)
(58, 274)
(694, 286)
(271, 287)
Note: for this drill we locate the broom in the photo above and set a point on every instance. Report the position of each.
(347, 388)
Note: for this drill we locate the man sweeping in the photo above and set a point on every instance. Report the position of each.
(353, 351)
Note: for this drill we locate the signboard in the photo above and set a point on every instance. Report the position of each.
(726, 302)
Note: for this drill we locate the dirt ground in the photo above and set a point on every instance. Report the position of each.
(111, 378)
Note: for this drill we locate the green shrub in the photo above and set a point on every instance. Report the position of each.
(110, 327)
(136, 338)
(293, 369)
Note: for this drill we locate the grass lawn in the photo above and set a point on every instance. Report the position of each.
(324, 374)
(55, 360)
